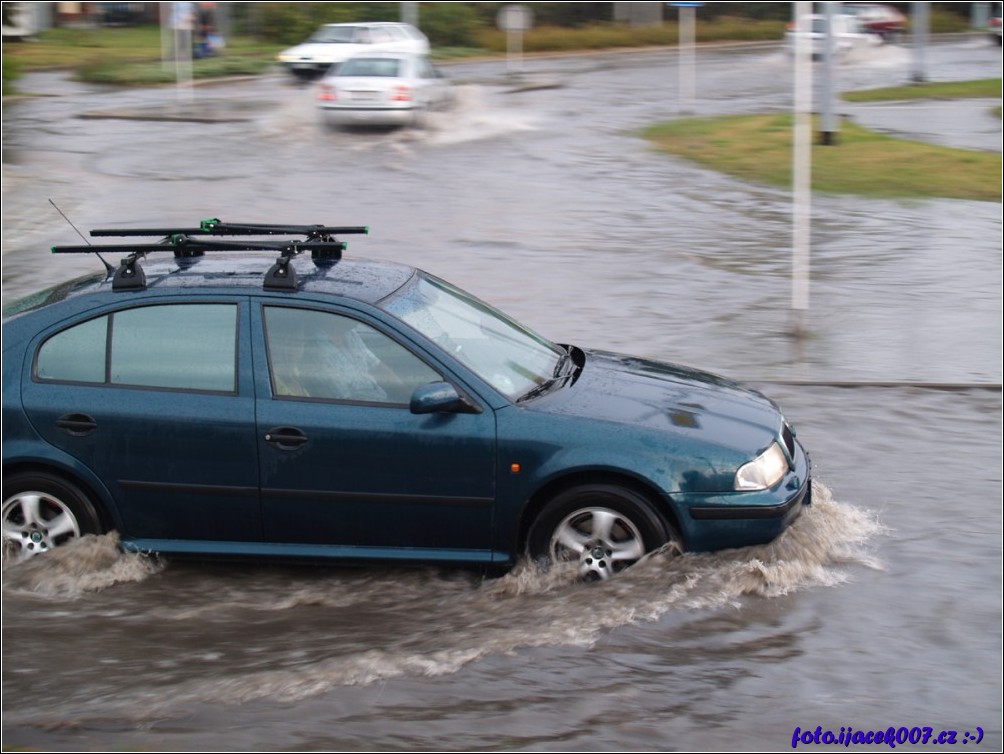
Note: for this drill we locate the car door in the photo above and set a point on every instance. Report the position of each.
(155, 398)
(345, 465)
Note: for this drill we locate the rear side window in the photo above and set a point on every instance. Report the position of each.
(174, 346)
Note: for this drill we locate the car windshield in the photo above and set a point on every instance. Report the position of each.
(506, 355)
(336, 34)
(388, 67)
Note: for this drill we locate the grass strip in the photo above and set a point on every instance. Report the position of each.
(757, 148)
(978, 89)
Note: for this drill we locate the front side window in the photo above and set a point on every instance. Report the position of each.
(326, 356)
(510, 357)
(174, 346)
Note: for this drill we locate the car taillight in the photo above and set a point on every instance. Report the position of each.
(401, 94)
(326, 93)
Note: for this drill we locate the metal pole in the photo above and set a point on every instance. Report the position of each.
(919, 22)
(828, 135)
(514, 51)
(686, 60)
(165, 36)
(801, 169)
(182, 21)
(409, 13)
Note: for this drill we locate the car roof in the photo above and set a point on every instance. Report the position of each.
(364, 280)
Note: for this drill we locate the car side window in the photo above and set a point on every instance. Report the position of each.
(76, 354)
(326, 356)
(174, 346)
(424, 69)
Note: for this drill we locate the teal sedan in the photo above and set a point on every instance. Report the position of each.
(215, 402)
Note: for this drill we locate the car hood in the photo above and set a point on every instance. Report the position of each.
(659, 396)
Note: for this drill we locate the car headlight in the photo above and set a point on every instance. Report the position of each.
(764, 471)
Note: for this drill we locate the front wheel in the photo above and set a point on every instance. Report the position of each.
(41, 511)
(602, 529)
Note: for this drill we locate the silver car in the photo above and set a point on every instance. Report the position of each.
(383, 89)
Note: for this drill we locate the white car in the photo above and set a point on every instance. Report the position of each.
(383, 89)
(847, 35)
(334, 43)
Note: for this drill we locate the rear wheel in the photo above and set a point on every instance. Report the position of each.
(602, 529)
(41, 511)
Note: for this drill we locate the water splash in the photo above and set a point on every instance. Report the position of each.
(87, 564)
(236, 636)
(826, 535)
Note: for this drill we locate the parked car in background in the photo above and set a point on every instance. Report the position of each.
(847, 35)
(884, 20)
(334, 43)
(222, 402)
(994, 24)
(383, 89)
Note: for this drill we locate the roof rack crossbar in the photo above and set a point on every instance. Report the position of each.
(235, 229)
(184, 243)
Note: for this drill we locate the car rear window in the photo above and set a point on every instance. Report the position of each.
(388, 67)
(48, 296)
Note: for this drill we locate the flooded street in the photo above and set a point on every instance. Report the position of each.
(881, 606)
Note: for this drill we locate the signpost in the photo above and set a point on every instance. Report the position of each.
(514, 20)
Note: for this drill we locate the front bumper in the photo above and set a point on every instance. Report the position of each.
(741, 519)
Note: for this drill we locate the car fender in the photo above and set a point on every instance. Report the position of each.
(537, 456)
(38, 454)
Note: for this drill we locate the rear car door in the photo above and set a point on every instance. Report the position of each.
(345, 466)
(156, 399)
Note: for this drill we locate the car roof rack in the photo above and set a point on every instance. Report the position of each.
(325, 249)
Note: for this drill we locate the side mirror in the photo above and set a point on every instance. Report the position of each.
(439, 397)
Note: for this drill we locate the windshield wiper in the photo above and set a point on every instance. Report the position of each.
(563, 369)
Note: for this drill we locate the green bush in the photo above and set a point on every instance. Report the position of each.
(11, 73)
(449, 24)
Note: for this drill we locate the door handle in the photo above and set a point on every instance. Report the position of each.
(77, 425)
(285, 438)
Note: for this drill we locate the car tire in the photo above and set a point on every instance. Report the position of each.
(41, 511)
(603, 528)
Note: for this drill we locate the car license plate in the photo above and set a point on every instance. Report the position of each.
(365, 96)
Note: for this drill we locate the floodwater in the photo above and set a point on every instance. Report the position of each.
(881, 607)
